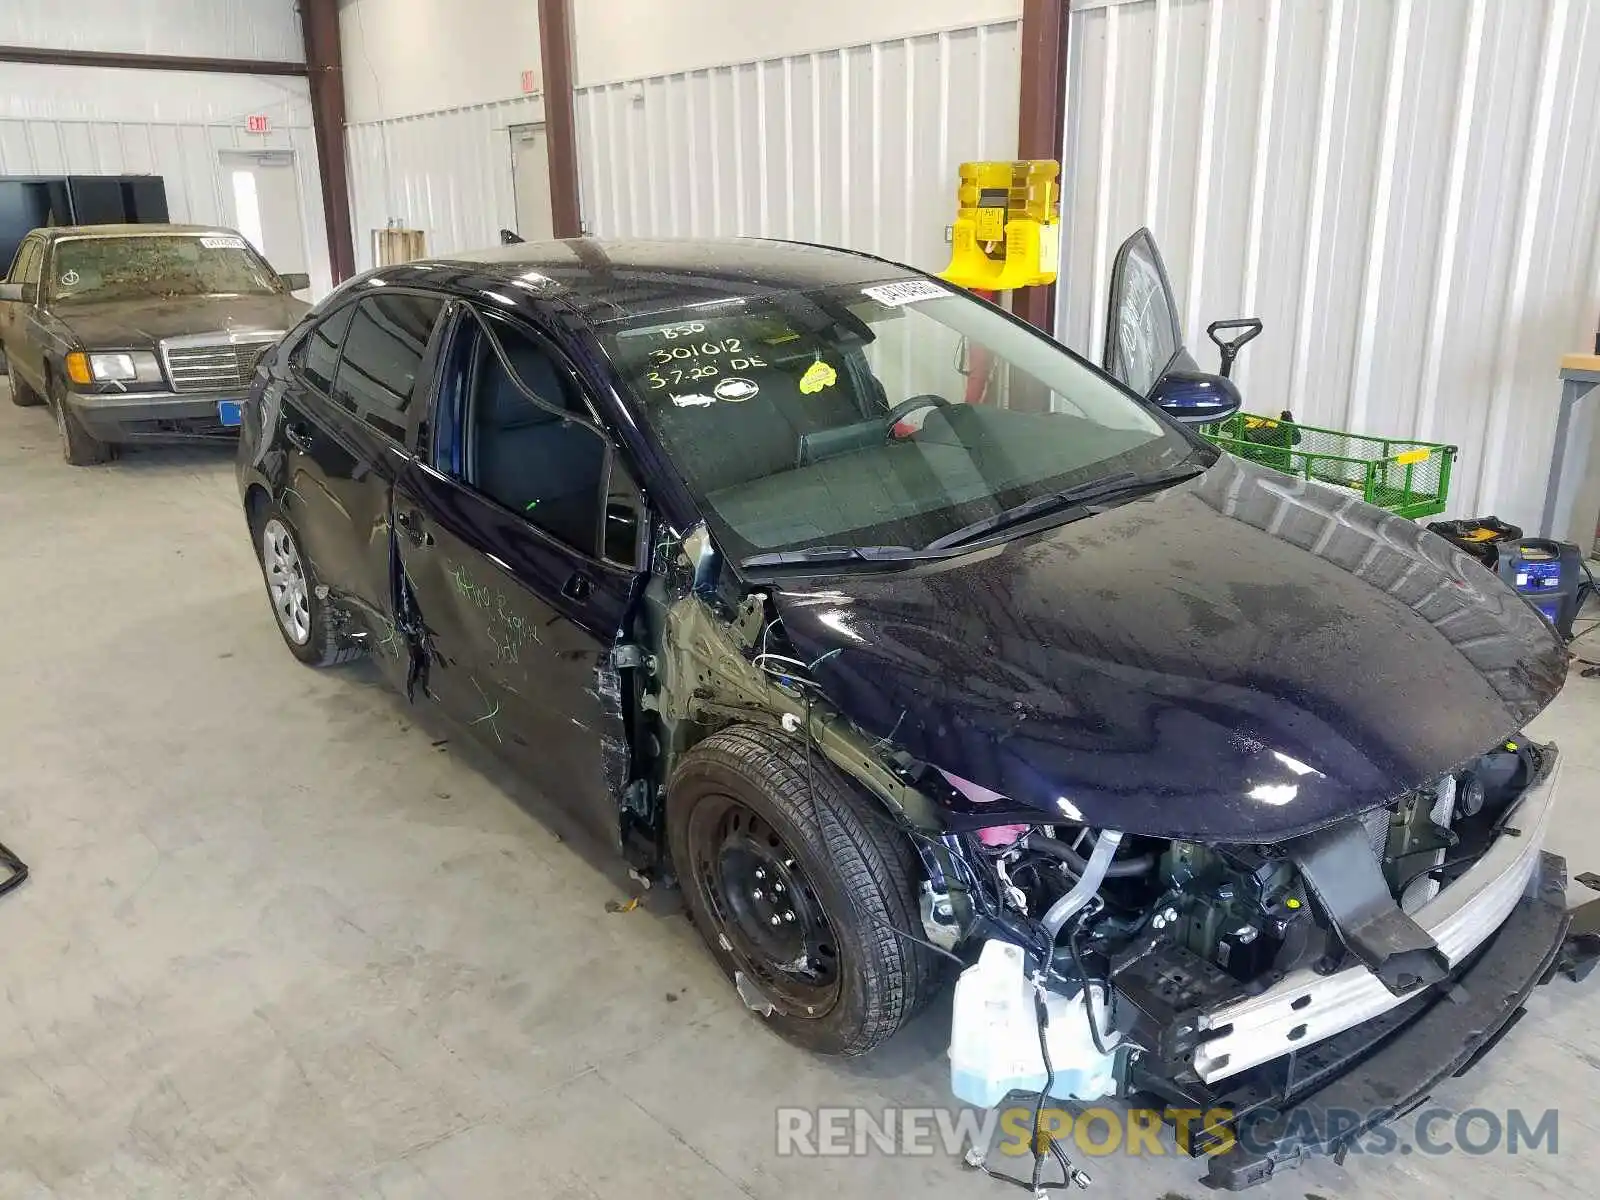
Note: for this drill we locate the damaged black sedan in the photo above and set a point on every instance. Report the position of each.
(893, 632)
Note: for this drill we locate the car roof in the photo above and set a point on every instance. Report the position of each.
(611, 280)
(54, 232)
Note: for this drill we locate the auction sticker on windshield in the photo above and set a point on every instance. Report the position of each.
(222, 243)
(735, 390)
(907, 291)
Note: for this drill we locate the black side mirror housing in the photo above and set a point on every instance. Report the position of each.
(1195, 397)
(296, 281)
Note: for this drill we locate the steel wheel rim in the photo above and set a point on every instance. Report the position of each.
(286, 581)
(795, 961)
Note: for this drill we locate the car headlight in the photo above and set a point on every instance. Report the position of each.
(114, 366)
(125, 366)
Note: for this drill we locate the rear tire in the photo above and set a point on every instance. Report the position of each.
(799, 899)
(303, 618)
(77, 447)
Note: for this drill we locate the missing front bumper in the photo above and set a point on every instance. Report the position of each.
(1321, 1099)
(1305, 1008)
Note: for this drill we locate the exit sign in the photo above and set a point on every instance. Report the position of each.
(257, 123)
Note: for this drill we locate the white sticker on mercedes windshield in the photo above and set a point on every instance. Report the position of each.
(693, 400)
(222, 243)
(907, 291)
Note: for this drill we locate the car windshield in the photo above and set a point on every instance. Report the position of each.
(160, 266)
(889, 415)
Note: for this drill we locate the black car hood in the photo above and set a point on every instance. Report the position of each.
(132, 324)
(1242, 657)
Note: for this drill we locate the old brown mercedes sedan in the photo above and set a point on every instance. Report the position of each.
(140, 332)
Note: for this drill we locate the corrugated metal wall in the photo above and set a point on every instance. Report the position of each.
(856, 146)
(99, 121)
(264, 29)
(447, 173)
(1406, 191)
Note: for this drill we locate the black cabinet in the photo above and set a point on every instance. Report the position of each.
(113, 200)
(32, 202)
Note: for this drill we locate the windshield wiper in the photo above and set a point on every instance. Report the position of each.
(1107, 487)
(829, 554)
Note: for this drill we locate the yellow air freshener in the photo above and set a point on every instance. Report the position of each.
(818, 376)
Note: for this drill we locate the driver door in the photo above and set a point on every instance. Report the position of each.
(518, 534)
(1144, 337)
(24, 340)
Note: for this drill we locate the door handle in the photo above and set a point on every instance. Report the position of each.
(411, 522)
(298, 435)
(577, 587)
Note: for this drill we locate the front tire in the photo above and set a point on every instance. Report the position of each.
(77, 447)
(303, 618)
(22, 395)
(797, 888)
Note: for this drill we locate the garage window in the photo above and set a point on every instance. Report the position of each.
(383, 351)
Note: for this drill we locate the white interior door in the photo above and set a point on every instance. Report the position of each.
(530, 177)
(263, 203)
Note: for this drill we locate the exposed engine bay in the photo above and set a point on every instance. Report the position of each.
(1244, 909)
(1139, 952)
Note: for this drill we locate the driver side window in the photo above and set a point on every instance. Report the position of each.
(531, 444)
(25, 268)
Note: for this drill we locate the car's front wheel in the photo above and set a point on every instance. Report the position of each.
(804, 896)
(22, 395)
(77, 446)
(303, 616)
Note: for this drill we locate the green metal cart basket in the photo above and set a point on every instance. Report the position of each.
(1409, 478)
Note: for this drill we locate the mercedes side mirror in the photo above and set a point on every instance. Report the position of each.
(296, 281)
(19, 293)
(1195, 398)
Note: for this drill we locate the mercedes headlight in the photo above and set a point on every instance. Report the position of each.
(124, 366)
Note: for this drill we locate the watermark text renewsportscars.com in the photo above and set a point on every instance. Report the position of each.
(1100, 1131)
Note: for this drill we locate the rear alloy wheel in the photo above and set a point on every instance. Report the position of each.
(303, 617)
(798, 890)
(77, 447)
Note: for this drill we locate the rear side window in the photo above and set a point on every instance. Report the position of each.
(383, 350)
(318, 354)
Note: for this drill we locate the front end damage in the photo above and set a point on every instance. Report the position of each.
(1273, 988)
(1283, 999)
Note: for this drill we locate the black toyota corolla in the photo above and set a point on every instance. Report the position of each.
(893, 632)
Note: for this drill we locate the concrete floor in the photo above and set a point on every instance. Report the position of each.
(279, 943)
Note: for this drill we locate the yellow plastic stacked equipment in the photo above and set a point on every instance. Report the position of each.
(1007, 232)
